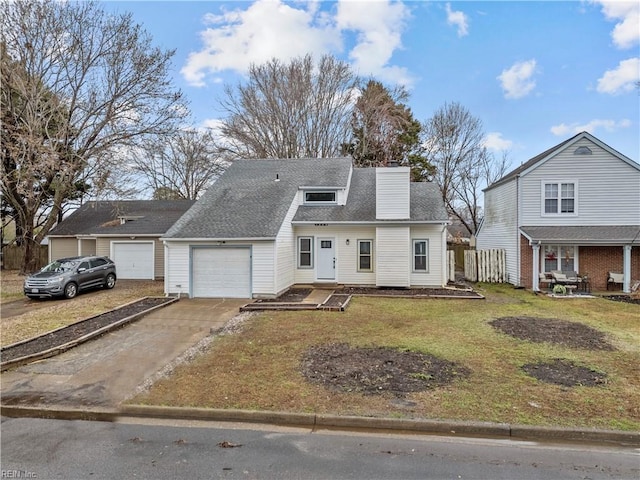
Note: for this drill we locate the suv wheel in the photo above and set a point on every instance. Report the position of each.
(110, 281)
(70, 290)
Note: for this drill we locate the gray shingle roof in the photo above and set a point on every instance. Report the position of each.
(248, 202)
(538, 158)
(426, 203)
(101, 217)
(600, 234)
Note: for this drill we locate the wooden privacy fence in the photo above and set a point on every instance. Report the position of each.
(488, 266)
(12, 257)
(451, 265)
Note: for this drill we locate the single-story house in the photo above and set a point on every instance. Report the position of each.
(268, 224)
(127, 231)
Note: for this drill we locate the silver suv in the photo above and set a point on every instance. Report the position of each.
(67, 276)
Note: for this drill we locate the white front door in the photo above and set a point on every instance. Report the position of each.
(326, 259)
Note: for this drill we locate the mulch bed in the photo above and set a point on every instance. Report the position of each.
(377, 370)
(290, 296)
(553, 330)
(623, 298)
(77, 330)
(411, 292)
(565, 373)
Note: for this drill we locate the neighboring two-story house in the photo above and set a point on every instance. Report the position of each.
(266, 225)
(574, 207)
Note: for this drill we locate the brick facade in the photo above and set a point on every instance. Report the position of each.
(593, 261)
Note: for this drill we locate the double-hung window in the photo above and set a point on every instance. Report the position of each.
(365, 258)
(420, 256)
(305, 252)
(559, 198)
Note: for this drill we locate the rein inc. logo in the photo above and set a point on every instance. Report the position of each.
(17, 474)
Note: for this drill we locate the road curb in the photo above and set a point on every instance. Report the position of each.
(339, 423)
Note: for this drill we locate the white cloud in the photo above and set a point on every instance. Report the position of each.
(591, 127)
(626, 33)
(494, 141)
(269, 29)
(459, 19)
(622, 79)
(517, 80)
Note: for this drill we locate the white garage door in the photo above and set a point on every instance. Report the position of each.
(221, 272)
(133, 260)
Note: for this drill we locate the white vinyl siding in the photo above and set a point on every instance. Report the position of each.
(262, 261)
(607, 189)
(346, 255)
(263, 269)
(393, 256)
(436, 256)
(285, 251)
(500, 226)
(392, 193)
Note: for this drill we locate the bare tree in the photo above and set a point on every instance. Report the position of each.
(77, 83)
(454, 143)
(290, 110)
(179, 166)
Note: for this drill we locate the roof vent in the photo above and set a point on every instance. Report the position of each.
(582, 151)
(277, 177)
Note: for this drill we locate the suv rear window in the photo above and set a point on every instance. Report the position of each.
(98, 262)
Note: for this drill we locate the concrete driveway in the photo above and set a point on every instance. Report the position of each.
(103, 372)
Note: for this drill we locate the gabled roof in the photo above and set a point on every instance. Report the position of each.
(544, 156)
(145, 217)
(252, 197)
(426, 203)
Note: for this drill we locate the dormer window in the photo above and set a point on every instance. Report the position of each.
(320, 196)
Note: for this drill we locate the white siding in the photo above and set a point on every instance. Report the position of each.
(177, 258)
(500, 226)
(285, 255)
(608, 189)
(262, 265)
(437, 262)
(392, 193)
(346, 255)
(393, 256)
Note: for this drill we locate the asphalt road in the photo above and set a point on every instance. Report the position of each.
(44, 449)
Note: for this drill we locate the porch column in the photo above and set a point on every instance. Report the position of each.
(536, 266)
(626, 269)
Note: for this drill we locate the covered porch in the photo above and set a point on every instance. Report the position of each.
(590, 253)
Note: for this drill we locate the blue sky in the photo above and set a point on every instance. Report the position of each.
(535, 73)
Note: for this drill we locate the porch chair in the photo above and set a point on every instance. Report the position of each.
(614, 279)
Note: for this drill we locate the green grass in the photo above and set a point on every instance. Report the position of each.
(259, 368)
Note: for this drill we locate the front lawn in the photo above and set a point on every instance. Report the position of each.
(262, 366)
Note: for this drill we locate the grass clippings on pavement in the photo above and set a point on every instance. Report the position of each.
(262, 366)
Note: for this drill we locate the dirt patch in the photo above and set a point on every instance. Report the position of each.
(377, 370)
(565, 373)
(553, 330)
(77, 330)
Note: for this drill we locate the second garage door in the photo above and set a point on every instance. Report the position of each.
(134, 260)
(221, 272)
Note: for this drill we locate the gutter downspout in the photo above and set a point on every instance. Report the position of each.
(518, 255)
